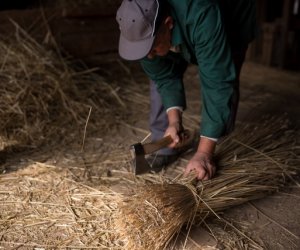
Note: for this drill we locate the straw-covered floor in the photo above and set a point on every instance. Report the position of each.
(43, 206)
(47, 206)
(46, 99)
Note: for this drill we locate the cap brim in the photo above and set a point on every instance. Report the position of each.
(134, 50)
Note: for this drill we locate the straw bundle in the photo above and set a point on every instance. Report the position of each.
(159, 208)
(44, 97)
(253, 162)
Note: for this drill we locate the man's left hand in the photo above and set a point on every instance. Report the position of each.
(203, 165)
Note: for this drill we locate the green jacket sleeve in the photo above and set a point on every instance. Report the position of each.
(216, 71)
(167, 73)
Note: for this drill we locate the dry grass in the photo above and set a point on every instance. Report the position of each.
(43, 207)
(45, 97)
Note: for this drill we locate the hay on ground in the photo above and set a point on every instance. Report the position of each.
(48, 207)
(42, 206)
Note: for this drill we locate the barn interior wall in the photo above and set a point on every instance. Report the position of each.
(83, 30)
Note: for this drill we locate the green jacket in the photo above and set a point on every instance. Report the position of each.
(204, 40)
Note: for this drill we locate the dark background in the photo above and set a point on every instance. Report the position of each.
(81, 27)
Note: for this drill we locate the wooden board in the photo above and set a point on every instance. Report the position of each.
(82, 33)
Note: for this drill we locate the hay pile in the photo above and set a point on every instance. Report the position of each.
(253, 163)
(46, 98)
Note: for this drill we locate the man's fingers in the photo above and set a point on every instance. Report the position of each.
(206, 177)
(172, 145)
(206, 173)
(201, 173)
(204, 168)
(186, 171)
(209, 170)
(176, 139)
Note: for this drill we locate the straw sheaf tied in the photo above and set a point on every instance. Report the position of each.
(153, 216)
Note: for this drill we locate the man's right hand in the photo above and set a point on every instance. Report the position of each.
(174, 131)
(175, 126)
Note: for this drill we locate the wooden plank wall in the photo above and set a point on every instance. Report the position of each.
(83, 32)
(92, 32)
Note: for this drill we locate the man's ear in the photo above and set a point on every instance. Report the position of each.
(169, 22)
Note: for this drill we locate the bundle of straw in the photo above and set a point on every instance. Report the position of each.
(159, 208)
(253, 162)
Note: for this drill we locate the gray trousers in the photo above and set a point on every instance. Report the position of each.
(158, 117)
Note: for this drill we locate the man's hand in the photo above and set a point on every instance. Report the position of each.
(203, 165)
(175, 126)
(174, 131)
(202, 162)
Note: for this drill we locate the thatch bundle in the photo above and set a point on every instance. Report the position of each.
(253, 163)
(44, 96)
(157, 206)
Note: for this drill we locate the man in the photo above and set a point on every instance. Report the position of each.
(166, 35)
